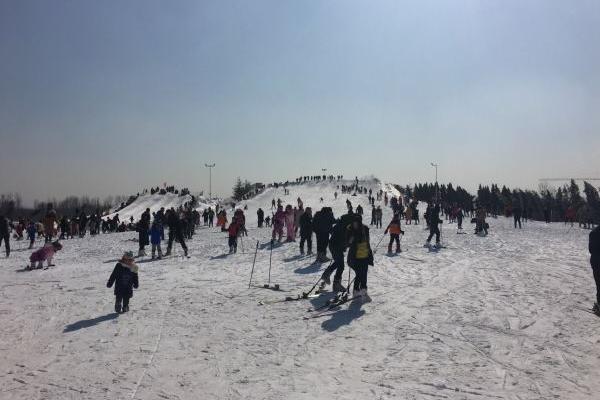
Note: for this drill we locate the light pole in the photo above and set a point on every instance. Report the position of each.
(210, 167)
(436, 181)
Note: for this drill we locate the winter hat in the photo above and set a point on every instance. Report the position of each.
(128, 255)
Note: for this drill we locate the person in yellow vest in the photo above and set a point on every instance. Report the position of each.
(360, 256)
(395, 232)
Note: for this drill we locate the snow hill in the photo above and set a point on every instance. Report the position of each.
(500, 317)
(154, 202)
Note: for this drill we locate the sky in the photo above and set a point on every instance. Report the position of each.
(109, 97)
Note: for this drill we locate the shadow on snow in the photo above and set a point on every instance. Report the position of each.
(87, 323)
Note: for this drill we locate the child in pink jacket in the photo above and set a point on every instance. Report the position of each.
(46, 253)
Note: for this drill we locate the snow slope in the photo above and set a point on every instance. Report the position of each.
(154, 202)
(501, 317)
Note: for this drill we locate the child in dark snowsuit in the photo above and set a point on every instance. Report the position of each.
(125, 278)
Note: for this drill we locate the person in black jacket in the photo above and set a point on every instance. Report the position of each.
(360, 256)
(125, 278)
(175, 231)
(434, 221)
(337, 247)
(4, 234)
(594, 247)
(322, 223)
(260, 214)
(143, 230)
(306, 230)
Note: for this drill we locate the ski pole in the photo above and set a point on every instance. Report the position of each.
(270, 258)
(378, 243)
(253, 262)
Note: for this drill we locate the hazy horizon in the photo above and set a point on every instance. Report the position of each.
(108, 98)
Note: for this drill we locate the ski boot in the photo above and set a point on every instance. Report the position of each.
(118, 307)
(338, 287)
(390, 249)
(398, 250)
(125, 308)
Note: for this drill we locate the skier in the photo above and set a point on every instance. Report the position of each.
(125, 278)
(260, 214)
(360, 256)
(594, 248)
(5, 234)
(306, 230)
(395, 232)
(322, 224)
(155, 237)
(434, 221)
(143, 230)
(175, 231)
(46, 253)
(337, 247)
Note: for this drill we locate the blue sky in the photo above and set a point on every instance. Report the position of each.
(109, 97)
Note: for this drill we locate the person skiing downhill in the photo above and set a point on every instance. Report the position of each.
(395, 232)
(594, 248)
(125, 278)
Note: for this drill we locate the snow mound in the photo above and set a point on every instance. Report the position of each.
(155, 202)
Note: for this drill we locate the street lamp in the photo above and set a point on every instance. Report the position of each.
(210, 167)
(437, 197)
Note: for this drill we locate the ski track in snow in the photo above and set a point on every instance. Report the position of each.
(501, 317)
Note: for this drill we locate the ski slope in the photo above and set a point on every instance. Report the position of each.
(501, 317)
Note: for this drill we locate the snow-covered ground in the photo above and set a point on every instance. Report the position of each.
(501, 317)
